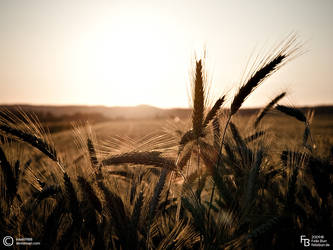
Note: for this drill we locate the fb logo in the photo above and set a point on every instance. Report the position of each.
(305, 240)
(8, 241)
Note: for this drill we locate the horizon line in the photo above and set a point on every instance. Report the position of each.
(143, 105)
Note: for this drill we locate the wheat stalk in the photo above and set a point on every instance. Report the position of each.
(156, 196)
(251, 183)
(92, 153)
(8, 175)
(216, 131)
(184, 157)
(212, 113)
(267, 67)
(186, 138)
(254, 81)
(198, 100)
(255, 136)
(34, 141)
(268, 107)
(88, 191)
(293, 112)
(47, 192)
(137, 210)
(143, 158)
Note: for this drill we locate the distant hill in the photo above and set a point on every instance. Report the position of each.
(137, 112)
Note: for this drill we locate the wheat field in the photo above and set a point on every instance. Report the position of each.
(217, 180)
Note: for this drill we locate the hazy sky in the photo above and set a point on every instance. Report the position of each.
(141, 52)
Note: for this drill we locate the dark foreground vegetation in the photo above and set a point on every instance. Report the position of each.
(213, 186)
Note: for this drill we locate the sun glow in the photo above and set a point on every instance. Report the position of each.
(121, 53)
(126, 64)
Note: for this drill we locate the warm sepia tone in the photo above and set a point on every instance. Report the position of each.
(166, 125)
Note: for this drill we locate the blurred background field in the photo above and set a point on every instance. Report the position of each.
(139, 121)
(143, 122)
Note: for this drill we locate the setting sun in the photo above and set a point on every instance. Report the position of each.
(130, 61)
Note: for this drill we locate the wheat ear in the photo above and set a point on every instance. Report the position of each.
(152, 158)
(212, 113)
(268, 107)
(267, 67)
(293, 112)
(198, 100)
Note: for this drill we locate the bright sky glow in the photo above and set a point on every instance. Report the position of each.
(124, 53)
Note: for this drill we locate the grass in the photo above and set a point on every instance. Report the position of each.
(220, 181)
